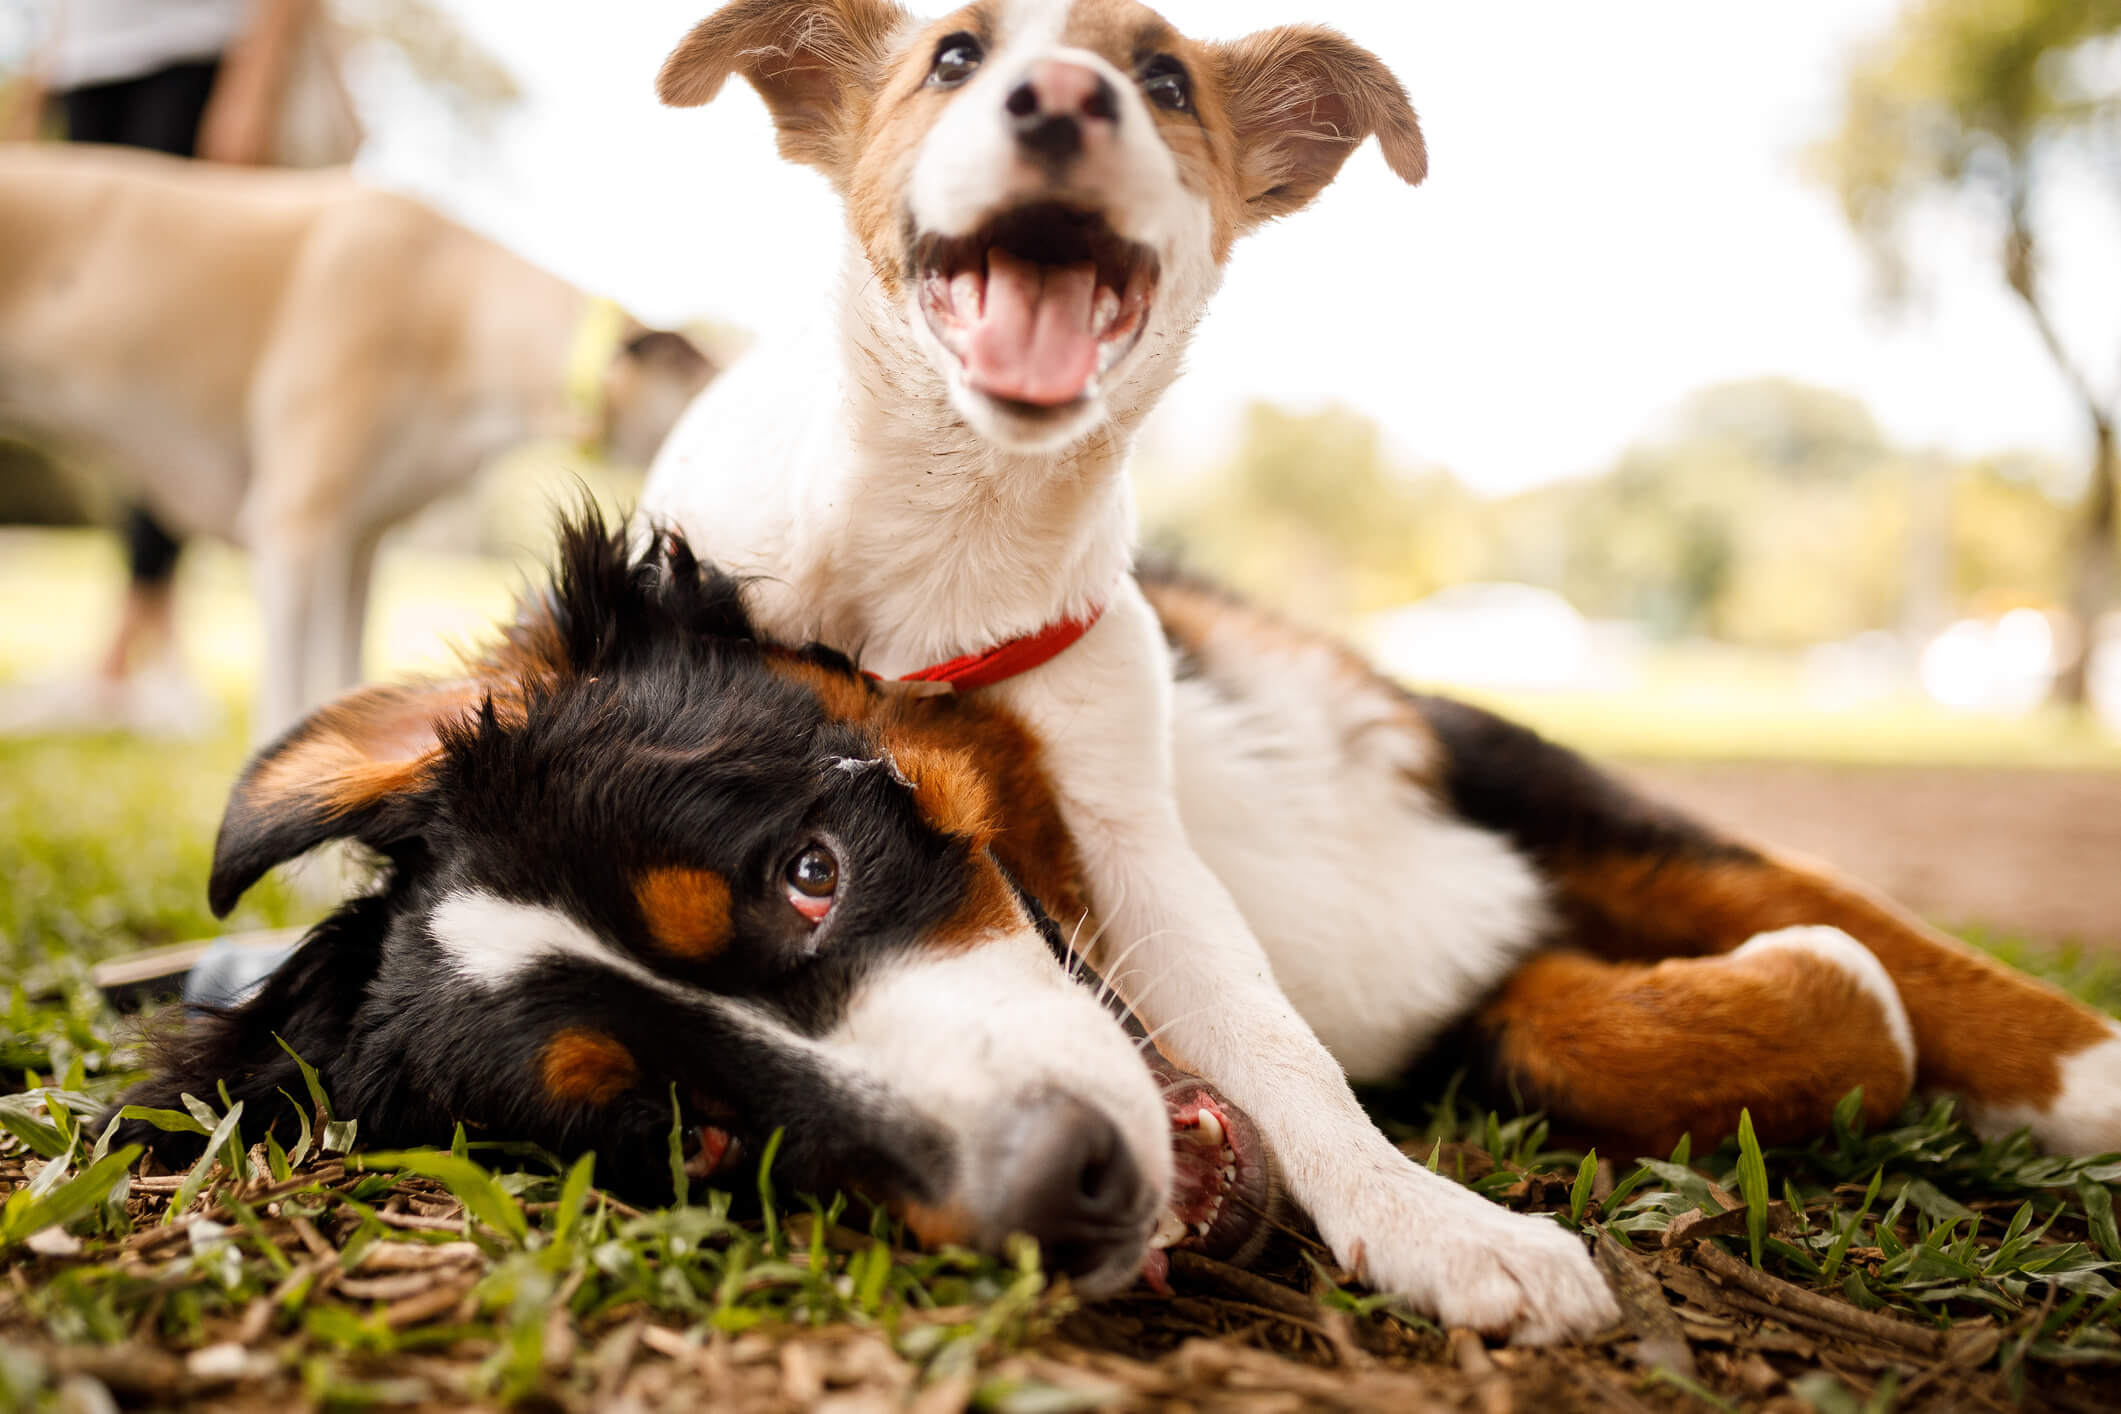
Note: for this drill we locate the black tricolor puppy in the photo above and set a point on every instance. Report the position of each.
(638, 850)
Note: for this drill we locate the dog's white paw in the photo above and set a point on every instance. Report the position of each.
(1467, 1262)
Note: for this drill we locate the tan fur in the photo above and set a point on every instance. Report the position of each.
(1629, 1056)
(287, 360)
(810, 60)
(950, 791)
(377, 742)
(844, 697)
(687, 911)
(585, 1067)
(1302, 99)
(1982, 1030)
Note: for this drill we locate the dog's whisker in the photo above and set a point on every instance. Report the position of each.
(1121, 961)
(1178, 1020)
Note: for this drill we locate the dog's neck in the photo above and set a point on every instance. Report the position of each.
(525, 325)
(936, 542)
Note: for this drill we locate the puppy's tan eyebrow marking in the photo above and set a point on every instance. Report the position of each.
(686, 910)
(587, 1067)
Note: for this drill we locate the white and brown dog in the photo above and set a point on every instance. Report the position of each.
(1041, 196)
(293, 361)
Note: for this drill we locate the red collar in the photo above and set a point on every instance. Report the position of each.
(1006, 660)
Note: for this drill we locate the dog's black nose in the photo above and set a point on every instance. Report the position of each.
(1072, 1184)
(1052, 137)
(1058, 107)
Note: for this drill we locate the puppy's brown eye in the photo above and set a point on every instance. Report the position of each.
(813, 878)
(956, 59)
(1166, 83)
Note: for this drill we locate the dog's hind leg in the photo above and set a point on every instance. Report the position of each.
(1632, 880)
(1630, 1055)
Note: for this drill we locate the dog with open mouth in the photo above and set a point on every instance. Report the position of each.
(1301, 874)
(1041, 197)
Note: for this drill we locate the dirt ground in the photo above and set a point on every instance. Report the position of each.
(2031, 853)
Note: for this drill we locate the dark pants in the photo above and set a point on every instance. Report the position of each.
(161, 112)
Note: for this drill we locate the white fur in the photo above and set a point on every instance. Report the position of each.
(889, 514)
(968, 1035)
(1837, 949)
(1361, 871)
(2084, 1119)
(491, 940)
(964, 1037)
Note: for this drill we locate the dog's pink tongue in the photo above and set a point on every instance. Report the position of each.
(1032, 340)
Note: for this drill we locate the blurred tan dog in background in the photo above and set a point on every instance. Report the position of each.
(294, 362)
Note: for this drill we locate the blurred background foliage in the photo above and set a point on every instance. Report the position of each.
(1765, 513)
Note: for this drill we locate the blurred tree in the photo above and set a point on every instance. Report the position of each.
(1310, 516)
(1978, 100)
(1765, 512)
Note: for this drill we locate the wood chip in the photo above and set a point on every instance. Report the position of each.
(1660, 1343)
(418, 1256)
(438, 1300)
(1491, 1387)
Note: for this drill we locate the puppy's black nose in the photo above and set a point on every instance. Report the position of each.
(1071, 1183)
(1051, 137)
(1061, 108)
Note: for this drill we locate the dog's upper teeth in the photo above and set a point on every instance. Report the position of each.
(1104, 311)
(968, 294)
(1169, 1229)
(1200, 1229)
(1229, 1173)
(1211, 1128)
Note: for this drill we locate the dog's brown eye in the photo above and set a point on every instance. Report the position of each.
(813, 878)
(956, 58)
(1167, 84)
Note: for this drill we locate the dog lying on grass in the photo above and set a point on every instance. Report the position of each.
(641, 856)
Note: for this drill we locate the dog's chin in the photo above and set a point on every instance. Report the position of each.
(1021, 428)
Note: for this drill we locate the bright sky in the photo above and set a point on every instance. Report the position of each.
(1616, 215)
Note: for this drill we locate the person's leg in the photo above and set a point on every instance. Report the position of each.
(146, 621)
(159, 112)
(167, 106)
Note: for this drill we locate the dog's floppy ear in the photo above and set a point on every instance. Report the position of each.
(348, 772)
(1302, 97)
(805, 57)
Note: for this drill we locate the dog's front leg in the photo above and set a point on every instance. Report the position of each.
(1179, 950)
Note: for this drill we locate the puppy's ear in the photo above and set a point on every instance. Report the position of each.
(1302, 98)
(806, 58)
(349, 772)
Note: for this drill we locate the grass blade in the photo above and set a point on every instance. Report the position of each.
(1752, 1184)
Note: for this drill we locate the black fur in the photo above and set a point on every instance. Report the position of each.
(1551, 803)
